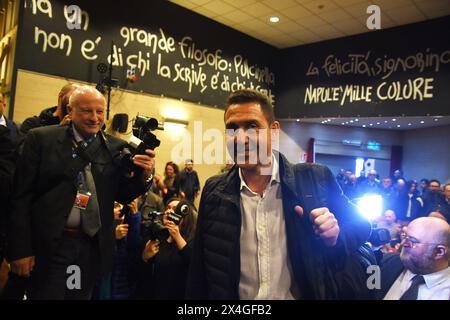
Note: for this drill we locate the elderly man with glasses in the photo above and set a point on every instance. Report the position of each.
(421, 271)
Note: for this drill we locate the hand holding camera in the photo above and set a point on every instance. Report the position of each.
(121, 231)
(153, 227)
(139, 154)
(151, 249)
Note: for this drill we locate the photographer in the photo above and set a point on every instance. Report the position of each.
(164, 263)
(66, 182)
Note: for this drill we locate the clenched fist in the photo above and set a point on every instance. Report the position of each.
(324, 223)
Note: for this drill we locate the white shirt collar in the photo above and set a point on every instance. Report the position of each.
(77, 135)
(275, 175)
(3, 121)
(431, 279)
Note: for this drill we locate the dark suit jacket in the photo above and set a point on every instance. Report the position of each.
(45, 190)
(391, 268)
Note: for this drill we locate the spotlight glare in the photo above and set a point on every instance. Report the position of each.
(370, 206)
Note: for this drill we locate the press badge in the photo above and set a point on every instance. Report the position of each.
(82, 200)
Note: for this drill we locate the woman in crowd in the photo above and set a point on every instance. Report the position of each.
(164, 262)
(170, 185)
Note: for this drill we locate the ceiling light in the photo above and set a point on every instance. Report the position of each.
(409, 124)
(371, 124)
(394, 119)
(436, 119)
(351, 121)
(378, 123)
(422, 121)
(274, 19)
(364, 125)
(342, 123)
(398, 126)
(356, 120)
(298, 120)
(385, 121)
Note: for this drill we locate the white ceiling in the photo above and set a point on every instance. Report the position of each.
(308, 21)
(386, 123)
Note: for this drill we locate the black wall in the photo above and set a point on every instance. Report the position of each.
(286, 75)
(411, 44)
(106, 20)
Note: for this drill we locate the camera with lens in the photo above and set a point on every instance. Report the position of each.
(379, 237)
(141, 140)
(152, 226)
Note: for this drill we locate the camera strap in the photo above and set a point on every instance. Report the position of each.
(83, 153)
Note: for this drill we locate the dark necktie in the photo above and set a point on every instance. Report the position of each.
(90, 218)
(413, 290)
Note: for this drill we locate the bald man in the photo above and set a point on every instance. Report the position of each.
(66, 182)
(421, 271)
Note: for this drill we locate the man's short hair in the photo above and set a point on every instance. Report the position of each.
(67, 88)
(81, 90)
(435, 180)
(248, 95)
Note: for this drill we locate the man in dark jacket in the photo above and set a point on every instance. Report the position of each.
(9, 139)
(189, 183)
(61, 217)
(268, 229)
(54, 115)
(6, 173)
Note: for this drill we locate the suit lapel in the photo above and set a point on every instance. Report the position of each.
(64, 151)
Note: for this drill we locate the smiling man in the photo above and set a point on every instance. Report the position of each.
(259, 234)
(66, 182)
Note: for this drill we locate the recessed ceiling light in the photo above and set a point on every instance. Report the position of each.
(356, 120)
(394, 119)
(274, 19)
(298, 120)
(409, 124)
(378, 123)
(364, 125)
(398, 126)
(342, 123)
(422, 121)
(351, 121)
(371, 124)
(385, 121)
(436, 119)
(346, 122)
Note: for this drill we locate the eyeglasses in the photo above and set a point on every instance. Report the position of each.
(413, 243)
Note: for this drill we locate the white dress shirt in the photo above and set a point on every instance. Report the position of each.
(3, 121)
(266, 271)
(436, 286)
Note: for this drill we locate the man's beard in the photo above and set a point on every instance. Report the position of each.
(422, 264)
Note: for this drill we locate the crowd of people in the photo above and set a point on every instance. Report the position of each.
(406, 199)
(263, 230)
